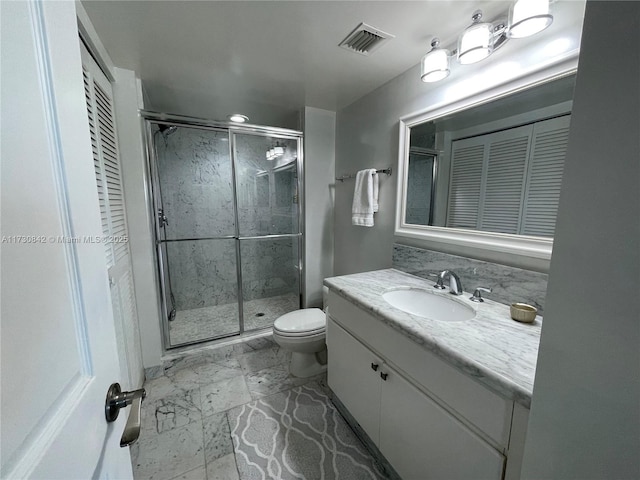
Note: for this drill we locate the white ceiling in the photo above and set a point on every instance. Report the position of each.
(268, 59)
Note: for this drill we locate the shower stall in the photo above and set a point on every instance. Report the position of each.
(228, 225)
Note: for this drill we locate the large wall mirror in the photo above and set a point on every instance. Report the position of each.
(489, 175)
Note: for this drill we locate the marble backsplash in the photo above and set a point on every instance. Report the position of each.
(509, 284)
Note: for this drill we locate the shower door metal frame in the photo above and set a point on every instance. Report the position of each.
(152, 193)
(280, 134)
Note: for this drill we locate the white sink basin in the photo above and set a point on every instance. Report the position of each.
(426, 304)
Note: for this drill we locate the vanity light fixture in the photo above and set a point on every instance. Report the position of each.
(275, 152)
(476, 42)
(238, 118)
(481, 39)
(528, 17)
(278, 151)
(435, 64)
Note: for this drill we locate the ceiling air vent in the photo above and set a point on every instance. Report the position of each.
(365, 39)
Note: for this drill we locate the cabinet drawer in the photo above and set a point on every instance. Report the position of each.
(485, 409)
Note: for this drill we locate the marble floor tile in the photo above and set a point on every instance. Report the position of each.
(185, 417)
(172, 411)
(272, 380)
(259, 343)
(224, 352)
(202, 323)
(218, 370)
(283, 356)
(164, 386)
(185, 378)
(258, 360)
(199, 473)
(167, 455)
(217, 437)
(219, 320)
(186, 361)
(221, 396)
(224, 468)
(153, 372)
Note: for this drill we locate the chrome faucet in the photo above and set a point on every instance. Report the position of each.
(455, 284)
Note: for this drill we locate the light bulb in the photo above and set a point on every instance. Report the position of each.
(435, 64)
(476, 42)
(528, 17)
(238, 118)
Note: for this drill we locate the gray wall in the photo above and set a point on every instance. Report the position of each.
(585, 412)
(367, 137)
(319, 150)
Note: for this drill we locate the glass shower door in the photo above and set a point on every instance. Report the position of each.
(267, 188)
(196, 229)
(421, 183)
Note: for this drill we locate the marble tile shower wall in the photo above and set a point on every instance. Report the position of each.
(269, 267)
(203, 273)
(265, 200)
(194, 168)
(509, 284)
(195, 176)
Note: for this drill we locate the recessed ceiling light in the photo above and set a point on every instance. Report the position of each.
(238, 118)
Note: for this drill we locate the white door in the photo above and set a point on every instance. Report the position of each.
(58, 340)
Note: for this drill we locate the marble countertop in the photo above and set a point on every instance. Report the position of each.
(492, 348)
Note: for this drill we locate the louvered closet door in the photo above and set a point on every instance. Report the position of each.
(465, 188)
(548, 150)
(505, 179)
(99, 97)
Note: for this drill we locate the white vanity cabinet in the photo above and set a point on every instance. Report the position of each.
(422, 440)
(429, 420)
(354, 371)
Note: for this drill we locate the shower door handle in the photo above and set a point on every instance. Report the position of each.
(162, 218)
(117, 399)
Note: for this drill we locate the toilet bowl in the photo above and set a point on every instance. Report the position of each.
(302, 332)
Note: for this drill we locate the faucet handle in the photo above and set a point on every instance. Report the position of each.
(439, 283)
(477, 294)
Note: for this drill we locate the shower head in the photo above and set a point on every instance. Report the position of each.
(167, 130)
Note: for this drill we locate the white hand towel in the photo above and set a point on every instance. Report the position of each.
(365, 198)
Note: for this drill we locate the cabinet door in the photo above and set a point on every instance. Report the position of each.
(352, 378)
(423, 441)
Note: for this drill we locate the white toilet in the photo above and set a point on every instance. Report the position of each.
(302, 332)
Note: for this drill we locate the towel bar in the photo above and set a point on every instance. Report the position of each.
(388, 171)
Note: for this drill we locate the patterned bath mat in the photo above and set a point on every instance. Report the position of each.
(298, 434)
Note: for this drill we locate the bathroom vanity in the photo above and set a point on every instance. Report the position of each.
(438, 398)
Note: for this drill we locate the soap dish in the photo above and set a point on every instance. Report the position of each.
(521, 312)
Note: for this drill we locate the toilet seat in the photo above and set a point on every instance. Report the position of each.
(301, 323)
